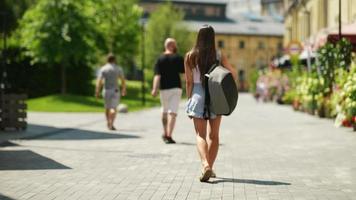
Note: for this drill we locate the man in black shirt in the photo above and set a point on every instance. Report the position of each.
(168, 69)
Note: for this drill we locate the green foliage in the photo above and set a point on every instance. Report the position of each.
(57, 32)
(253, 77)
(323, 87)
(310, 90)
(65, 103)
(78, 103)
(166, 22)
(327, 63)
(333, 57)
(344, 56)
(295, 62)
(118, 23)
(336, 98)
(348, 94)
(290, 96)
(13, 12)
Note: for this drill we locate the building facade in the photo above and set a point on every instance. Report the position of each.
(310, 21)
(193, 10)
(249, 42)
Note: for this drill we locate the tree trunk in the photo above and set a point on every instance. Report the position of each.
(63, 79)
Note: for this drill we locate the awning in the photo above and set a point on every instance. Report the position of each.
(348, 32)
(284, 61)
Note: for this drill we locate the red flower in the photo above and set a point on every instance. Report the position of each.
(346, 123)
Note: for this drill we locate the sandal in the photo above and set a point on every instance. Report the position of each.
(206, 175)
(112, 128)
(213, 175)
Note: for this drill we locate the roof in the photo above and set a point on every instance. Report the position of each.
(266, 28)
(223, 2)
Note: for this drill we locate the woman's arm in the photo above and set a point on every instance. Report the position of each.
(188, 76)
(228, 66)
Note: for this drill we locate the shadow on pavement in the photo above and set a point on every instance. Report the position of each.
(186, 143)
(77, 134)
(8, 144)
(3, 197)
(191, 144)
(248, 181)
(26, 160)
(39, 132)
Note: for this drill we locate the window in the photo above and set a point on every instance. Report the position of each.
(261, 45)
(199, 12)
(242, 44)
(241, 75)
(221, 44)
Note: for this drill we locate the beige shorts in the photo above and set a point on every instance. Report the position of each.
(170, 99)
(111, 98)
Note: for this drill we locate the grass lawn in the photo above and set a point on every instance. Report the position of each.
(75, 103)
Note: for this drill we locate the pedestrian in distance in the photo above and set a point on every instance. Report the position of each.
(108, 77)
(198, 61)
(167, 80)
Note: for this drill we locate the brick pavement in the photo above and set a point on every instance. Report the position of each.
(267, 152)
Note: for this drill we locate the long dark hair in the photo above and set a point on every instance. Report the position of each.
(203, 53)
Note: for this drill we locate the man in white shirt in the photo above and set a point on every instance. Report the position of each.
(108, 76)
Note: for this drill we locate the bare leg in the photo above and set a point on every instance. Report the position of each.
(213, 141)
(164, 123)
(171, 123)
(112, 116)
(202, 145)
(107, 116)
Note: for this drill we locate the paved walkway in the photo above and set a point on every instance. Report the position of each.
(267, 152)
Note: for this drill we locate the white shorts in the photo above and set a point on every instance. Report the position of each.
(111, 98)
(170, 99)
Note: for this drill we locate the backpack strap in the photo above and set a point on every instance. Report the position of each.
(206, 113)
(218, 57)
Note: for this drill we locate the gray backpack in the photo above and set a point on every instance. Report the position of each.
(220, 91)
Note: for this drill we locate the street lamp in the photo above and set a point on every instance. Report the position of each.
(339, 19)
(143, 89)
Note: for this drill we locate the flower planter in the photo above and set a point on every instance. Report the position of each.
(296, 105)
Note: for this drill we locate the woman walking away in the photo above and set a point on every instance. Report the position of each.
(197, 63)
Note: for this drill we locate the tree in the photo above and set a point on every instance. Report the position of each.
(57, 32)
(166, 22)
(118, 22)
(13, 12)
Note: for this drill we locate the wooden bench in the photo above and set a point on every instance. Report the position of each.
(13, 112)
